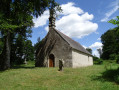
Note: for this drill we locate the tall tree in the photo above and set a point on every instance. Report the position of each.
(115, 21)
(110, 41)
(89, 50)
(99, 51)
(16, 17)
(22, 50)
(29, 50)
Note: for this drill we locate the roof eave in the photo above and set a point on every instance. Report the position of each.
(82, 52)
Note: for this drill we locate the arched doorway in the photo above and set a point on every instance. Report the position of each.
(51, 60)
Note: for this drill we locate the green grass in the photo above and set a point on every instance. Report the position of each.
(27, 77)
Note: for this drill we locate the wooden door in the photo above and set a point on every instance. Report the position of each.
(51, 63)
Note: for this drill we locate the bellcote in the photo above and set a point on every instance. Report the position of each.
(52, 18)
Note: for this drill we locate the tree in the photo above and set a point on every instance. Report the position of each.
(17, 50)
(99, 51)
(1, 45)
(36, 46)
(22, 50)
(16, 18)
(115, 21)
(29, 50)
(89, 50)
(110, 41)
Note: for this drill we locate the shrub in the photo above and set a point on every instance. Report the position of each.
(95, 58)
(117, 58)
(116, 78)
(112, 56)
(111, 75)
(98, 61)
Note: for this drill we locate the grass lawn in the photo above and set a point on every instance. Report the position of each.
(27, 77)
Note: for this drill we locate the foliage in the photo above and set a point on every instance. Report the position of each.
(16, 18)
(110, 41)
(29, 50)
(112, 56)
(95, 58)
(21, 50)
(115, 21)
(36, 46)
(99, 51)
(1, 45)
(117, 58)
(116, 78)
(97, 61)
(89, 50)
(111, 75)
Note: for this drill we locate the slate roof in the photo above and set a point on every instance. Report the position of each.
(72, 43)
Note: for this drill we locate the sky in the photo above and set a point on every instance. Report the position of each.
(82, 20)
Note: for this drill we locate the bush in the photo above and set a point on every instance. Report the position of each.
(95, 58)
(116, 78)
(112, 56)
(111, 75)
(117, 58)
(98, 61)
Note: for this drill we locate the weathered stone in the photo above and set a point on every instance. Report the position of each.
(57, 46)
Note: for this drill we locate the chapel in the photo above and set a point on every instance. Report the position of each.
(56, 45)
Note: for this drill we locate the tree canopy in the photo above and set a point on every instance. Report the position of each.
(16, 19)
(89, 50)
(115, 21)
(110, 41)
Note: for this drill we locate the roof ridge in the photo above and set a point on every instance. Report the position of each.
(61, 35)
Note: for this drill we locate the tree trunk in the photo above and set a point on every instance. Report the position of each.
(5, 56)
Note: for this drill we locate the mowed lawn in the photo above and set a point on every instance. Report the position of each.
(28, 77)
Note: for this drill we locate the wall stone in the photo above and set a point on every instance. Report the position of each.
(80, 59)
(60, 49)
(54, 44)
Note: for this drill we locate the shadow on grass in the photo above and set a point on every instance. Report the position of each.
(24, 67)
(19, 67)
(111, 75)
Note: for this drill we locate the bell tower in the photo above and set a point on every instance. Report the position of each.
(52, 18)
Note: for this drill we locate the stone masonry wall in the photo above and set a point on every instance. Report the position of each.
(80, 59)
(61, 50)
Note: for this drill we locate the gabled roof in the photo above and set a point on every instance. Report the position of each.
(72, 43)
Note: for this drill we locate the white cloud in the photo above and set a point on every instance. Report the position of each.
(95, 52)
(84, 46)
(75, 25)
(115, 7)
(96, 45)
(41, 21)
(46, 28)
(99, 39)
(97, 33)
(69, 8)
(74, 22)
(94, 48)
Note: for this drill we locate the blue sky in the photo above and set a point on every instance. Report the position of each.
(82, 20)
